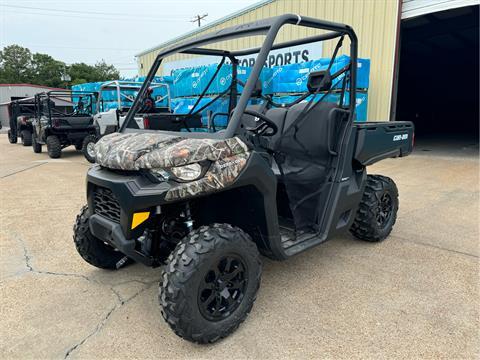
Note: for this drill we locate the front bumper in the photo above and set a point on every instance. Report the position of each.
(112, 233)
(134, 193)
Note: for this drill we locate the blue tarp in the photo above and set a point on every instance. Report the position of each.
(290, 78)
(361, 102)
(111, 95)
(184, 105)
(192, 81)
(293, 78)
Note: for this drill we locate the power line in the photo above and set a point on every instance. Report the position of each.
(81, 12)
(76, 47)
(90, 17)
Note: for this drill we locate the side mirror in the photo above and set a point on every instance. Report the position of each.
(319, 81)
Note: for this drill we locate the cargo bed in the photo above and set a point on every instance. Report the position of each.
(377, 140)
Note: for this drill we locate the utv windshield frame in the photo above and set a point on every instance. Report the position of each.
(63, 95)
(119, 85)
(269, 28)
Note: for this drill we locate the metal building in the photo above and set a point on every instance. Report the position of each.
(9, 92)
(379, 25)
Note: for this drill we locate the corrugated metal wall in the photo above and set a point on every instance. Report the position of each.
(16, 91)
(374, 21)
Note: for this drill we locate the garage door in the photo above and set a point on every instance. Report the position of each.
(412, 8)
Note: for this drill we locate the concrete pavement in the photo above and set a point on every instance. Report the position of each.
(415, 295)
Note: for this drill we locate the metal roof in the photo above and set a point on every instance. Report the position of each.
(206, 27)
(31, 85)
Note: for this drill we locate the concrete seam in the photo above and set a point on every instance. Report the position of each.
(438, 247)
(22, 170)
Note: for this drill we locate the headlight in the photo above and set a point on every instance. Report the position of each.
(188, 172)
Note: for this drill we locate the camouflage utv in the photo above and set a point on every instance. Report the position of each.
(277, 181)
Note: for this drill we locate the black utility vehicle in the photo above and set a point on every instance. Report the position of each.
(277, 181)
(21, 114)
(63, 118)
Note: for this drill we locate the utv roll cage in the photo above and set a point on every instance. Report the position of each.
(269, 28)
(24, 106)
(47, 106)
(118, 86)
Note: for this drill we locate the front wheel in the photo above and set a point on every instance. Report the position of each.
(377, 212)
(88, 147)
(37, 148)
(210, 283)
(93, 250)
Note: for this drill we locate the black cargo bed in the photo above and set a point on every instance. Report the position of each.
(377, 140)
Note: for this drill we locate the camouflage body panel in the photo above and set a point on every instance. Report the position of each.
(221, 174)
(135, 151)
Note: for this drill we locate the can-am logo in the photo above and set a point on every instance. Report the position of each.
(400, 137)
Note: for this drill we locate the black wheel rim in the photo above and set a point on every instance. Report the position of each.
(222, 288)
(384, 210)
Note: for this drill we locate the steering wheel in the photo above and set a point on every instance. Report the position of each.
(266, 124)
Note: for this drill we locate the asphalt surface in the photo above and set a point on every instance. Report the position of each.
(415, 295)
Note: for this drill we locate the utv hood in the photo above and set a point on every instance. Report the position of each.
(135, 151)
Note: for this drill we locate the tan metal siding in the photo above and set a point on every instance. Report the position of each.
(375, 22)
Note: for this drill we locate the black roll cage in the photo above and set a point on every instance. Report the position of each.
(24, 104)
(61, 95)
(270, 28)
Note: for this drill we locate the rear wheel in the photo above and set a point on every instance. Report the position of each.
(91, 249)
(54, 147)
(26, 136)
(37, 148)
(88, 147)
(377, 212)
(12, 139)
(210, 282)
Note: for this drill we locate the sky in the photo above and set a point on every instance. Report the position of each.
(113, 30)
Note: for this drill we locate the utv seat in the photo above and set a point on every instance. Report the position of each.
(313, 135)
(306, 155)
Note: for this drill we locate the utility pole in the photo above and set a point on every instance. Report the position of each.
(198, 18)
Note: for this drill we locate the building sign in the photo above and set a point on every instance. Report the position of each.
(292, 55)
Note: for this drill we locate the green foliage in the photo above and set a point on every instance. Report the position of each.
(19, 65)
(101, 71)
(15, 64)
(47, 71)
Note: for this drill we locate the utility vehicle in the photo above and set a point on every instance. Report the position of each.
(21, 112)
(60, 122)
(276, 181)
(110, 115)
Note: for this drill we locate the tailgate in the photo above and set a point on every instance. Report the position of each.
(380, 140)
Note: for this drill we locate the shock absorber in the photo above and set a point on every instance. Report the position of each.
(188, 218)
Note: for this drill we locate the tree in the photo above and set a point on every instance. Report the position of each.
(15, 64)
(106, 72)
(101, 71)
(80, 73)
(46, 70)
